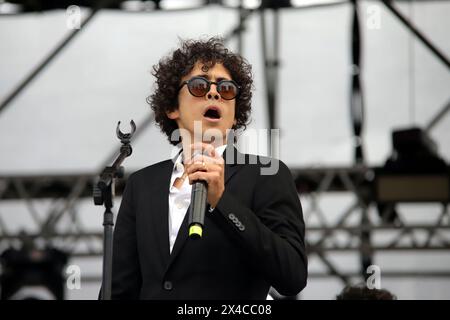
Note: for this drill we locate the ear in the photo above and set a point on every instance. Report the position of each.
(173, 114)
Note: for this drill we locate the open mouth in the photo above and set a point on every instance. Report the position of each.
(212, 113)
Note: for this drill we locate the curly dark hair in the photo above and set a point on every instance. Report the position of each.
(179, 63)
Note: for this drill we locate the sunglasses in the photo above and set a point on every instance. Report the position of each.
(199, 87)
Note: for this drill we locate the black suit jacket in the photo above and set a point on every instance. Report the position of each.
(252, 240)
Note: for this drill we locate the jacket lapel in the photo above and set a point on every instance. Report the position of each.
(181, 238)
(232, 159)
(160, 215)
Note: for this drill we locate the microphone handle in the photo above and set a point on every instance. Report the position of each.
(197, 209)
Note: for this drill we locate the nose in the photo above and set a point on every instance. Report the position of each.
(213, 94)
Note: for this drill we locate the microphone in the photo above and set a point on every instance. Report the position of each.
(197, 208)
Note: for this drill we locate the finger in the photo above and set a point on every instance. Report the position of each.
(195, 167)
(204, 166)
(194, 149)
(206, 159)
(207, 167)
(202, 147)
(209, 177)
(191, 157)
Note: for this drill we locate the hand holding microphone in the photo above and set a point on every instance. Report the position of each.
(205, 171)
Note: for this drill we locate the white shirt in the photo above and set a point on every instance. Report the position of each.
(180, 199)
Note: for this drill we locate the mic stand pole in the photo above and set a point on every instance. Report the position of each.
(104, 192)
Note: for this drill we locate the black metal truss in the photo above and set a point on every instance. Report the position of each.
(354, 230)
(360, 222)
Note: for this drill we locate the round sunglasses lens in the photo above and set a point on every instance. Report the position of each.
(227, 90)
(198, 87)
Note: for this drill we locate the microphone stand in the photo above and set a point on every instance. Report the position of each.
(103, 194)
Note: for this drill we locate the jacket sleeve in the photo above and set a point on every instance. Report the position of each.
(126, 273)
(272, 231)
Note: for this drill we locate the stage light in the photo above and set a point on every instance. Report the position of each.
(306, 3)
(137, 6)
(10, 8)
(414, 172)
(246, 4)
(181, 4)
(32, 274)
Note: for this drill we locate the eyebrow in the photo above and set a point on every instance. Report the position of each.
(207, 76)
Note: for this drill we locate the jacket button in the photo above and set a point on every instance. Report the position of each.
(241, 227)
(231, 216)
(168, 285)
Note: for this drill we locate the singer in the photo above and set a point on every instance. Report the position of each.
(253, 231)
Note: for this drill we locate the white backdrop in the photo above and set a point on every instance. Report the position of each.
(65, 120)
